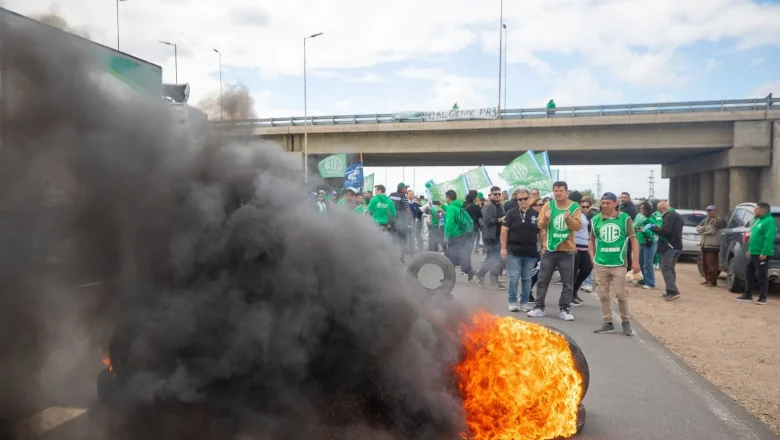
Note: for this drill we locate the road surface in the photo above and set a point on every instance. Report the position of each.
(638, 389)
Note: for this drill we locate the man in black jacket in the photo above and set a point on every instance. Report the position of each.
(492, 218)
(475, 212)
(669, 246)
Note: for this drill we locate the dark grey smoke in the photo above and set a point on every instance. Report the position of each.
(237, 309)
(237, 103)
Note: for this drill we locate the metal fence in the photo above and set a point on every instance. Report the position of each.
(530, 113)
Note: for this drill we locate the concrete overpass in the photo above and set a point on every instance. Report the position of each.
(714, 152)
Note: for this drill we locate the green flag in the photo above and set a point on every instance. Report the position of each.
(544, 162)
(437, 192)
(523, 170)
(333, 166)
(368, 183)
(477, 178)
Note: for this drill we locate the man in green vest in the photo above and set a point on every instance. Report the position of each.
(610, 235)
(560, 219)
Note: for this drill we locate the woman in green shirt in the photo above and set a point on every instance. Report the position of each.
(648, 243)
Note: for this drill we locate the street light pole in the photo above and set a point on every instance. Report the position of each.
(506, 55)
(306, 115)
(500, 53)
(175, 59)
(220, 83)
(117, 22)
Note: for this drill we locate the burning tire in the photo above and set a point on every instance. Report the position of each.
(439, 260)
(579, 361)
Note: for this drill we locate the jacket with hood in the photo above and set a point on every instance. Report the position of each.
(762, 236)
(452, 220)
(382, 209)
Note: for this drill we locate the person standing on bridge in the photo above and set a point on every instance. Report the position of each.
(561, 219)
(551, 107)
(608, 246)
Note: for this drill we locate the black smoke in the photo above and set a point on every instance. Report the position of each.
(230, 308)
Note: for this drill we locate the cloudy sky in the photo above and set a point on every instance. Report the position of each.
(384, 56)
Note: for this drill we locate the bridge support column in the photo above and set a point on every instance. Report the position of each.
(720, 187)
(674, 184)
(682, 193)
(693, 191)
(739, 186)
(706, 190)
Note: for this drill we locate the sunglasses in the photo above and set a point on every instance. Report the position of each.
(586, 206)
(496, 194)
(522, 199)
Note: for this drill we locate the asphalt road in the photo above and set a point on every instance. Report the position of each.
(638, 389)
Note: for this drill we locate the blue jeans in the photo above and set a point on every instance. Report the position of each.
(646, 258)
(520, 269)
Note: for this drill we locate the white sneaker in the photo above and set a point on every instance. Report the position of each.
(537, 313)
(513, 307)
(587, 288)
(645, 286)
(565, 315)
(526, 307)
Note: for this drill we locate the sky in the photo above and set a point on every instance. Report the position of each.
(386, 56)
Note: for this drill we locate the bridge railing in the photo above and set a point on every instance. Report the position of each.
(528, 113)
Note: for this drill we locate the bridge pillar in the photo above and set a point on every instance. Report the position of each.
(693, 191)
(682, 193)
(674, 184)
(721, 191)
(706, 190)
(739, 186)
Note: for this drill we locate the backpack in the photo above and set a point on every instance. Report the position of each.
(465, 222)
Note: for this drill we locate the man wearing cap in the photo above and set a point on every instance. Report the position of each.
(710, 228)
(349, 199)
(610, 236)
(402, 220)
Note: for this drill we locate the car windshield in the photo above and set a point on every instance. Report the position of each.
(693, 219)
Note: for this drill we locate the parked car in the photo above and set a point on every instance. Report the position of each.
(690, 238)
(733, 246)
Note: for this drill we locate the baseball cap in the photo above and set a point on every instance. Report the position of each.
(402, 185)
(711, 208)
(352, 190)
(609, 196)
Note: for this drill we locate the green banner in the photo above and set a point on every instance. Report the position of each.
(333, 166)
(544, 162)
(437, 192)
(523, 170)
(477, 178)
(368, 183)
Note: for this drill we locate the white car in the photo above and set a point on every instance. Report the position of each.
(690, 238)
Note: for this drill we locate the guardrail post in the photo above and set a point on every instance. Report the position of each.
(630, 111)
(721, 105)
(690, 107)
(601, 110)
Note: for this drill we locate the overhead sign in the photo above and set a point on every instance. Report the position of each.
(450, 115)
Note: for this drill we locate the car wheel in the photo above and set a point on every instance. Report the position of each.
(733, 282)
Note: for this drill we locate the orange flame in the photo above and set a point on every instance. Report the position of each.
(518, 381)
(107, 362)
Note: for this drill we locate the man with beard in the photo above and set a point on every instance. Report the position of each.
(561, 219)
(492, 218)
(612, 231)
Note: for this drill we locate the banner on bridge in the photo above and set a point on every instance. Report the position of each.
(450, 115)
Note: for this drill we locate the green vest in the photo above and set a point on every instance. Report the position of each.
(557, 231)
(611, 240)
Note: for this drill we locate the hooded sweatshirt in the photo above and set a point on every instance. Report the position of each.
(381, 209)
(451, 224)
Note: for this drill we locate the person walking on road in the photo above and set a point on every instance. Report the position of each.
(457, 226)
(492, 218)
(669, 246)
(612, 231)
(761, 246)
(710, 228)
(518, 247)
(561, 219)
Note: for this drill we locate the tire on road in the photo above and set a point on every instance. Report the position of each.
(435, 258)
(579, 360)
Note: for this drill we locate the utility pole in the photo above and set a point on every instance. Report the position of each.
(598, 186)
(651, 181)
(500, 55)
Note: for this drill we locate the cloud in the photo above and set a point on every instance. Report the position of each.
(755, 62)
(764, 89)
(366, 77)
(712, 64)
(468, 92)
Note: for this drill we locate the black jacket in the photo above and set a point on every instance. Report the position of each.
(491, 228)
(475, 212)
(671, 232)
(630, 209)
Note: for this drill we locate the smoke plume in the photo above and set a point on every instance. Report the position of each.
(230, 308)
(236, 103)
(53, 18)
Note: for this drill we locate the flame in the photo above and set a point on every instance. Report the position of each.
(518, 381)
(107, 362)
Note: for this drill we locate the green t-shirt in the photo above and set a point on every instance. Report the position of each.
(558, 231)
(611, 236)
(361, 209)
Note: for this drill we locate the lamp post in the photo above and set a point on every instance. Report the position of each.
(506, 55)
(220, 83)
(117, 22)
(500, 53)
(305, 115)
(175, 59)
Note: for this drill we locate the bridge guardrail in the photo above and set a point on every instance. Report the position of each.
(529, 113)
